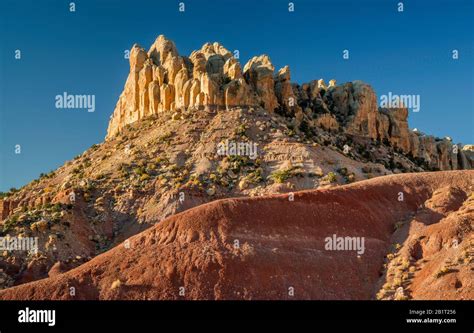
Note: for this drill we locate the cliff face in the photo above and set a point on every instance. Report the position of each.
(354, 106)
(161, 80)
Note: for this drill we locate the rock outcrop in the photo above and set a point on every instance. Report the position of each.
(354, 106)
(161, 80)
(7, 207)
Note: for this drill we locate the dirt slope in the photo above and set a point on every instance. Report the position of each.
(159, 167)
(274, 248)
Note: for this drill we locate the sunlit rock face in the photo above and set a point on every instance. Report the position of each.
(211, 78)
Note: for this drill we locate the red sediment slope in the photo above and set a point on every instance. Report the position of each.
(274, 247)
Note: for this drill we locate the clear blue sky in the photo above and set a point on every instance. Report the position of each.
(82, 53)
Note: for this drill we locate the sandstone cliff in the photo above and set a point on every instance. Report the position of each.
(161, 80)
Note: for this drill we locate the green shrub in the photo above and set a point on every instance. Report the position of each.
(144, 177)
(443, 271)
(139, 170)
(77, 170)
(350, 178)
(166, 137)
(57, 207)
(342, 171)
(255, 176)
(9, 223)
(331, 177)
(280, 176)
(241, 130)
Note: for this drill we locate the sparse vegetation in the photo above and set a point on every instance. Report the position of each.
(165, 137)
(342, 171)
(255, 176)
(443, 271)
(398, 225)
(241, 130)
(281, 176)
(331, 177)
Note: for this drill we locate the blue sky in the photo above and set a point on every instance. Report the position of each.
(82, 53)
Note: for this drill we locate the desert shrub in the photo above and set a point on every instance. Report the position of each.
(241, 130)
(442, 271)
(398, 225)
(194, 180)
(101, 176)
(255, 176)
(124, 170)
(139, 170)
(290, 130)
(280, 176)
(331, 177)
(173, 168)
(56, 208)
(237, 162)
(366, 154)
(77, 170)
(213, 177)
(90, 186)
(305, 128)
(9, 223)
(350, 178)
(342, 171)
(165, 137)
(144, 177)
(391, 164)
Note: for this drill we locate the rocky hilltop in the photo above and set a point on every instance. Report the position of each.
(190, 130)
(161, 80)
